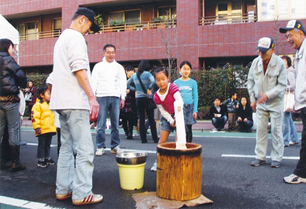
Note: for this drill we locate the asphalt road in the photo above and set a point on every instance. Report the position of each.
(227, 177)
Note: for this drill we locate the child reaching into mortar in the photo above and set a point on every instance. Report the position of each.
(164, 98)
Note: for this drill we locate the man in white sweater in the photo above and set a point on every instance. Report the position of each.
(109, 86)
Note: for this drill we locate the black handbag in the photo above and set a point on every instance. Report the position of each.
(150, 101)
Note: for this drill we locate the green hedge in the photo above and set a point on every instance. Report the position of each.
(211, 83)
(39, 80)
(218, 82)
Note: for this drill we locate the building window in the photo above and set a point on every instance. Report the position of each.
(57, 27)
(28, 31)
(229, 12)
(167, 12)
(124, 17)
(132, 16)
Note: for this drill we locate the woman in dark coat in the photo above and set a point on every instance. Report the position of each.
(11, 78)
(244, 115)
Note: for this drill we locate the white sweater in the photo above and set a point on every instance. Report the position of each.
(109, 79)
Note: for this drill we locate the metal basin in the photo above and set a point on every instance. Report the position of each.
(132, 158)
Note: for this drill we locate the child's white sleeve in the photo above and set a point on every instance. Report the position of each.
(177, 96)
(165, 114)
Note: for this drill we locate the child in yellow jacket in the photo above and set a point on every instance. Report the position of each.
(43, 124)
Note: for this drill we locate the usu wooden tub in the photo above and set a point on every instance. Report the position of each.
(179, 172)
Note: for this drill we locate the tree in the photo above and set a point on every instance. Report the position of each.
(169, 41)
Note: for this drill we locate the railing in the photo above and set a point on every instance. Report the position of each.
(106, 29)
(228, 19)
(40, 35)
(139, 26)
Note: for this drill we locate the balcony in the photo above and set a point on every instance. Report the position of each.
(39, 35)
(146, 25)
(228, 19)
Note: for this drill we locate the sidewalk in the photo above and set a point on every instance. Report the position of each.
(201, 125)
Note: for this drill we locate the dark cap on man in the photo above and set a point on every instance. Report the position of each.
(90, 15)
(293, 24)
(265, 43)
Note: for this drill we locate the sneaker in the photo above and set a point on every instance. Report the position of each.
(293, 143)
(42, 163)
(117, 150)
(275, 164)
(294, 179)
(258, 162)
(49, 161)
(214, 130)
(154, 167)
(63, 196)
(100, 151)
(91, 199)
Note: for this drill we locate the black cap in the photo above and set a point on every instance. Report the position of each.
(293, 24)
(90, 15)
(265, 43)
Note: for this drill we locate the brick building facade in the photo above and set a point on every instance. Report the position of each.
(196, 30)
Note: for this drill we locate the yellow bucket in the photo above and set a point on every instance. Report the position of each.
(131, 176)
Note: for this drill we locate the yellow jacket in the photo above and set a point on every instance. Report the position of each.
(42, 117)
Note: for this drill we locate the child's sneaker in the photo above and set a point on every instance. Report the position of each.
(214, 130)
(49, 161)
(42, 163)
(117, 150)
(154, 167)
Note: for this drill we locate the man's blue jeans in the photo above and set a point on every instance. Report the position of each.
(75, 174)
(289, 129)
(219, 122)
(9, 114)
(111, 104)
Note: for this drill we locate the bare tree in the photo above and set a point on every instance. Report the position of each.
(277, 37)
(169, 41)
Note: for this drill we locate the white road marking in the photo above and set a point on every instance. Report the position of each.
(253, 156)
(22, 203)
(107, 149)
(35, 144)
(134, 150)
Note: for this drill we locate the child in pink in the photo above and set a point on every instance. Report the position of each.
(164, 98)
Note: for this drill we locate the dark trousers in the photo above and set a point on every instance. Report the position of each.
(245, 126)
(43, 148)
(188, 133)
(29, 110)
(300, 169)
(219, 122)
(127, 122)
(142, 107)
(5, 147)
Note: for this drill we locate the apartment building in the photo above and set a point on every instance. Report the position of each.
(208, 33)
